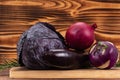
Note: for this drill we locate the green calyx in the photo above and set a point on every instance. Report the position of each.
(101, 45)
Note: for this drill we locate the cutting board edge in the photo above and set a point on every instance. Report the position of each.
(17, 74)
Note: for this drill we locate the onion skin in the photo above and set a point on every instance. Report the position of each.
(103, 55)
(80, 36)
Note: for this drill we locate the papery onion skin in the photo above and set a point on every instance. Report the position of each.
(103, 55)
(80, 36)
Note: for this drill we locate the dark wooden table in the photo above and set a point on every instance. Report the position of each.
(4, 75)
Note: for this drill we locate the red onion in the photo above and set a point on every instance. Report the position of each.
(103, 55)
(80, 35)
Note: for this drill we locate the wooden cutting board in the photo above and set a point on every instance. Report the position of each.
(21, 72)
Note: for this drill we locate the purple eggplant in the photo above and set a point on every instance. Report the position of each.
(65, 59)
(103, 55)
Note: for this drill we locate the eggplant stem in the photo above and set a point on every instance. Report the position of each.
(99, 43)
(105, 46)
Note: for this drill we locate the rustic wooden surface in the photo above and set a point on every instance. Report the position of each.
(4, 75)
(20, 72)
(16, 16)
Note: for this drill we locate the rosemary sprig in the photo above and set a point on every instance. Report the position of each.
(9, 64)
(118, 64)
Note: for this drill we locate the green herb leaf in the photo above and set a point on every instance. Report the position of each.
(9, 64)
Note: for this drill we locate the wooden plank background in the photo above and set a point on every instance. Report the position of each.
(16, 16)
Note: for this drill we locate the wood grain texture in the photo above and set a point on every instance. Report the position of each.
(4, 75)
(20, 72)
(16, 16)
